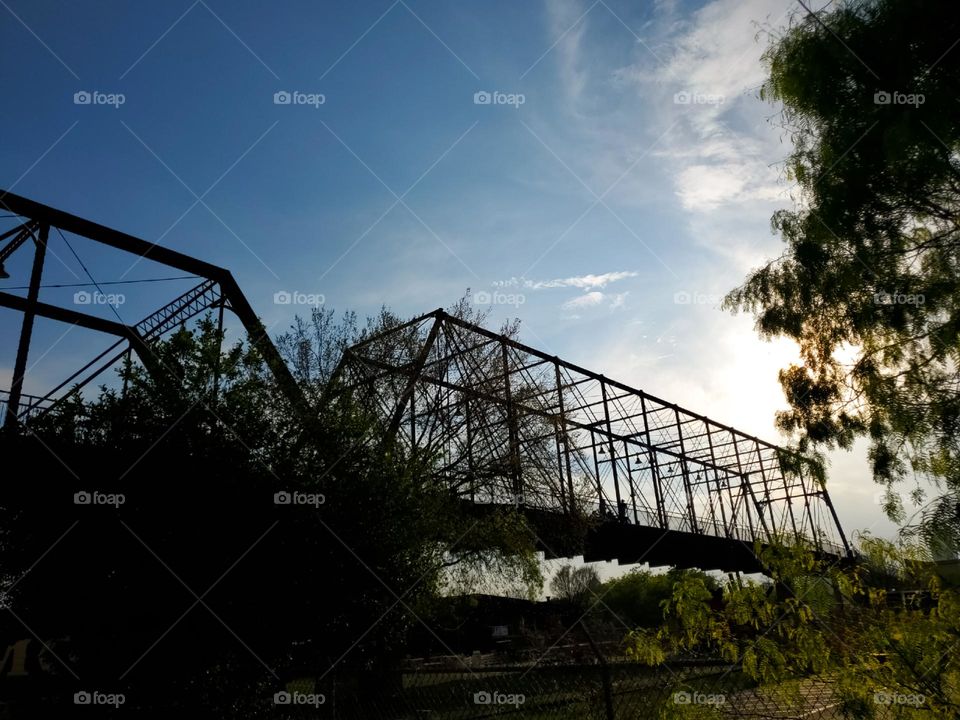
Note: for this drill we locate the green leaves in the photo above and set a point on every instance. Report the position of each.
(822, 621)
(871, 263)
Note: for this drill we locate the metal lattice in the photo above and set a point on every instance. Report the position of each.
(508, 424)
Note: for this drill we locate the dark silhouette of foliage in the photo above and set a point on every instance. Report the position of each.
(869, 280)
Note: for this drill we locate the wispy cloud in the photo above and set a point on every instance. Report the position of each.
(719, 154)
(583, 301)
(583, 282)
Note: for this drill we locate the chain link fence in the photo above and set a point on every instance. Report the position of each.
(590, 691)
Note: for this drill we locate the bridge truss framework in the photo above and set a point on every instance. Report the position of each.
(508, 424)
(217, 290)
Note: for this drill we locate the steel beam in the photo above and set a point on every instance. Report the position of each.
(26, 328)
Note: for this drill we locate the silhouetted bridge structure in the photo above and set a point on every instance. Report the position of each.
(510, 425)
(505, 423)
(32, 224)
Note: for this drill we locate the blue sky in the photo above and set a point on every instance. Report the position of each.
(621, 187)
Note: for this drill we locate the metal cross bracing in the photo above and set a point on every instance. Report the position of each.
(508, 424)
(32, 224)
(204, 296)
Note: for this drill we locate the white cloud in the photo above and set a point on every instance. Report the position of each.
(704, 187)
(617, 300)
(587, 300)
(566, 23)
(719, 160)
(721, 151)
(583, 282)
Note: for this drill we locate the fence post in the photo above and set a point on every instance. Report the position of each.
(604, 673)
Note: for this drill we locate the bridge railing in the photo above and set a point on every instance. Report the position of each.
(30, 405)
(680, 523)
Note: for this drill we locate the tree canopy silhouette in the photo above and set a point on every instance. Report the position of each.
(871, 266)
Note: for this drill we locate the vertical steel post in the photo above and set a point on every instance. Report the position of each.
(26, 329)
(836, 520)
(611, 446)
(806, 504)
(713, 460)
(767, 503)
(596, 467)
(685, 474)
(563, 429)
(216, 361)
(633, 492)
(471, 470)
(654, 469)
(512, 427)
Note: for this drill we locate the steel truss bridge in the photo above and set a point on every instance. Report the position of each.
(510, 425)
(31, 224)
(505, 423)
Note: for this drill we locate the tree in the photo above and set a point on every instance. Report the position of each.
(637, 598)
(199, 454)
(575, 585)
(495, 550)
(868, 284)
(878, 657)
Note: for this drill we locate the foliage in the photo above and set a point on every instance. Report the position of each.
(491, 551)
(199, 451)
(869, 280)
(636, 598)
(575, 584)
(876, 651)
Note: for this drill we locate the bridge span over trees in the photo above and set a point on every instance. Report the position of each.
(647, 480)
